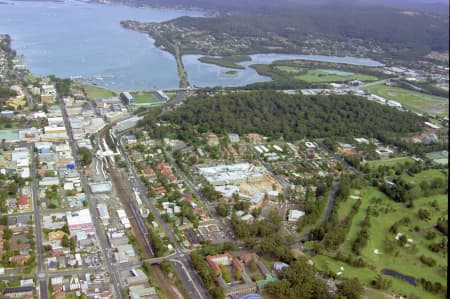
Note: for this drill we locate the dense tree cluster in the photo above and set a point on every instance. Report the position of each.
(381, 283)
(291, 117)
(62, 86)
(428, 260)
(442, 225)
(85, 156)
(207, 275)
(5, 93)
(363, 235)
(435, 287)
(334, 231)
(299, 282)
(350, 289)
(400, 190)
(263, 236)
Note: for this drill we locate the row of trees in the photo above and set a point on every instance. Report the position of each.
(334, 231)
(363, 235)
(207, 275)
(403, 191)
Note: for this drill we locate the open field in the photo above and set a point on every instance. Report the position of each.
(346, 205)
(413, 100)
(323, 76)
(389, 162)
(94, 92)
(226, 61)
(426, 175)
(145, 97)
(261, 185)
(70, 295)
(366, 197)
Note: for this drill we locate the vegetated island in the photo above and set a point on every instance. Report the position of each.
(230, 73)
(227, 61)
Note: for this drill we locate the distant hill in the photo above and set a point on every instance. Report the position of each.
(431, 6)
(335, 29)
(281, 6)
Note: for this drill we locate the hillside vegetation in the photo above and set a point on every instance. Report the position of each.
(356, 30)
(292, 117)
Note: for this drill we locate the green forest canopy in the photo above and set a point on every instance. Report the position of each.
(293, 117)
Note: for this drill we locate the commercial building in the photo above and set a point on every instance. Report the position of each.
(229, 174)
(80, 221)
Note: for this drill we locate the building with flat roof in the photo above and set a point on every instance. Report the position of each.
(80, 221)
(142, 292)
(229, 174)
(294, 215)
(19, 292)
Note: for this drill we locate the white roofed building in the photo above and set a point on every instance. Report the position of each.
(80, 221)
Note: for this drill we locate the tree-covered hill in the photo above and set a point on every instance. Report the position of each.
(293, 117)
(335, 29)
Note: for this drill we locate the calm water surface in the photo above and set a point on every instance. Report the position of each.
(80, 39)
(84, 39)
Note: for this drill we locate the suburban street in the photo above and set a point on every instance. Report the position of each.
(41, 273)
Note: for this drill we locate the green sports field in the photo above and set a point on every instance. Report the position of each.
(323, 75)
(145, 97)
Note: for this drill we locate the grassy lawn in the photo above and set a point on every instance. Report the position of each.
(226, 61)
(366, 197)
(426, 175)
(376, 294)
(413, 100)
(70, 295)
(288, 69)
(94, 92)
(389, 162)
(268, 262)
(346, 206)
(320, 75)
(323, 262)
(145, 97)
(171, 94)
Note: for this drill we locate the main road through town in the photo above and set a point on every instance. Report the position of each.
(99, 230)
